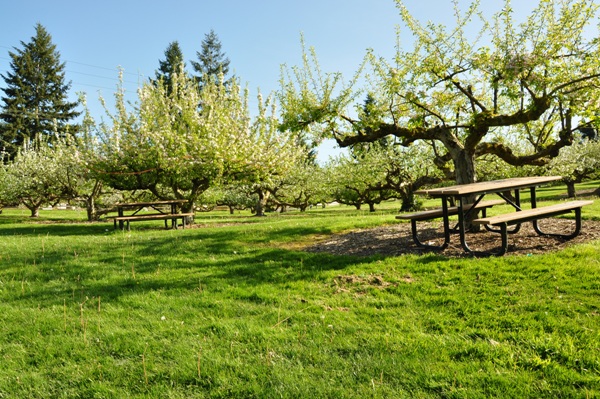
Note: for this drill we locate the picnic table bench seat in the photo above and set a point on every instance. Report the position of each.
(452, 210)
(438, 213)
(528, 215)
(153, 216)
(533, 215)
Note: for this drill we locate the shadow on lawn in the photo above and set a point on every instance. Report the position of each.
(275, 268)
(179, 262)
(54, 228)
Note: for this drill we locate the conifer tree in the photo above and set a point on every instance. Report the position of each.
(35, 102)
(172, 64)
(211, 60)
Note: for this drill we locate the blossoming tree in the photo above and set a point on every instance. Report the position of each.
(474, 96)
(179, 142)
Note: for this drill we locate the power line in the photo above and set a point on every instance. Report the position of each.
(87, 65)
(101, 77)
(96, 86)
(106, 68)
(114, 79)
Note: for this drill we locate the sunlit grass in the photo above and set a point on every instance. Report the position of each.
(231, 309)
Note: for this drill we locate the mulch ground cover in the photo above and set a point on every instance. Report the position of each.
(395, 240)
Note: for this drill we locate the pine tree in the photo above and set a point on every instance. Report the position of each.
(35, 101)
(211, 60)
(172, 64)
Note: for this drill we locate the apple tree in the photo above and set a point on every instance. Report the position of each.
(473, 95)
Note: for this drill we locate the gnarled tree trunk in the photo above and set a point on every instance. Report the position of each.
(464, 167)
(261, 204)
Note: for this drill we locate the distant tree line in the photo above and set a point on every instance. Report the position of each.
(445, 112)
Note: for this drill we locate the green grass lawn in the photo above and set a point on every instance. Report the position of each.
(233, 309)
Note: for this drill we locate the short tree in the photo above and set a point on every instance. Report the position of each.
(359, 180)
(233, 196)
(32, 177)
(166, 146)
(272, 157)
(303, 186)
(578, 162)
(175, 150)
(408, 169)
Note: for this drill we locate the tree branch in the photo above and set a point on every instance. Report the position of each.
(572, 82)
(424, 108)
(540, 158)
(409, 135)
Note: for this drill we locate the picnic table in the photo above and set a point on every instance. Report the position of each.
(164, 210)
(469, 201)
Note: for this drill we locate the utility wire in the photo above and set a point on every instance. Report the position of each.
(86, 64)
(95, 76)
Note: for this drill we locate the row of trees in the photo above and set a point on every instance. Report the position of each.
(36, 93)
(67, 171)
(514, 100)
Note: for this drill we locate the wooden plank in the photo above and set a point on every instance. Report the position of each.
(490, 186)
(533, 214)
(149, 203)
(153, 216)
(453, 210)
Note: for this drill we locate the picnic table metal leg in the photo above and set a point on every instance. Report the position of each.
(517, 205)
(574, 234)
(419, 243)
(462, 233)
(504, 247)
(121, 223)
(566, 236)
(413, 225)
(461, 225)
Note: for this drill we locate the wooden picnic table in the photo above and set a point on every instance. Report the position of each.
(165, 210)
(469, 198)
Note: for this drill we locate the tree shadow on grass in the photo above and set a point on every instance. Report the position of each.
(276, 268)
(57, 228)
(179, 260)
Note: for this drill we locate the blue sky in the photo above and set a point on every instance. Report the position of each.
(94, 38)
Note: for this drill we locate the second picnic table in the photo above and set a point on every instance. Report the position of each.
(166, 210)
(499, 187)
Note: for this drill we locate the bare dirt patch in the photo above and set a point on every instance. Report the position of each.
(397, 240)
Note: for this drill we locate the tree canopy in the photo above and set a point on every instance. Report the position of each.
(172, 64)
(212, 61)
(174, 149)
(535, 81)
(35, 101)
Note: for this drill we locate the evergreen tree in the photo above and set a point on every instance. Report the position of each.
(211, 60)
(35, 100)
(172, 64)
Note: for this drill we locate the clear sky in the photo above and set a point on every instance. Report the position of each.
(94, 38)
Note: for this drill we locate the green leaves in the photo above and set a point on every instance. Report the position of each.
(463, 89)
(36, 94)
(182, 139)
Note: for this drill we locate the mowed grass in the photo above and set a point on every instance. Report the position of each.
(235, 309)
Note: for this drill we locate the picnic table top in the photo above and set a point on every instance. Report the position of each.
(150, 203)
(489, 186)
